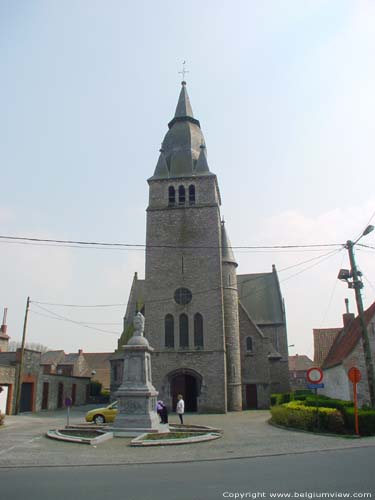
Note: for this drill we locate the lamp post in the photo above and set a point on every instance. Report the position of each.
(357, 284)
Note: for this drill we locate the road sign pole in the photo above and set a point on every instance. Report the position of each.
(355, 376)
(355, 408)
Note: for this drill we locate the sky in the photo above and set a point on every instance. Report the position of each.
(284, 91)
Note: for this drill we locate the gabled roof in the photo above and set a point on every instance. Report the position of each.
(323, 340)
(346, 341)
(261, 297)
(52, 357)
(97, 360)
(300, 362)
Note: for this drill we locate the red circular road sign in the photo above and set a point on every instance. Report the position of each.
(314, 375)
(354, 375)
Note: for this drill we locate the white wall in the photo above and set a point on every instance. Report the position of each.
(336, 383)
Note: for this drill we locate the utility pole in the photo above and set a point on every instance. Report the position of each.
(357, 285)
(20, 366)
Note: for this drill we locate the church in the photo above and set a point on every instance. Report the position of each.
(219, 337)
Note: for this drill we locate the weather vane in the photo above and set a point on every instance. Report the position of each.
(184, 71)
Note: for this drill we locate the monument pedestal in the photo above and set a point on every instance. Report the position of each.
(137, 396)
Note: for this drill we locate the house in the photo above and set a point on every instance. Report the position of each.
(298, 366)
(346, 352)
(43, 387)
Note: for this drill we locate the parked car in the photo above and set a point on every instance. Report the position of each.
(103, 415)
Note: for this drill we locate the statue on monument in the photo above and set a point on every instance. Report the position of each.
(139, 324)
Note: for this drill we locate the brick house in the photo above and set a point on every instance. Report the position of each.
(42, 387)
(298, 366)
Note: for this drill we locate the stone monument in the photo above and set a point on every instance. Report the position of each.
(136, 395)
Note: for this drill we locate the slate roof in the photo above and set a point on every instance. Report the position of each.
(226, 247)
(52, 357)
(300, 362)
(261, 297)
(346, 341)
(7, 358)
(182, 154)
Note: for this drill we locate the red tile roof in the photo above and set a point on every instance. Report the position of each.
(346, 341)
(323, 340)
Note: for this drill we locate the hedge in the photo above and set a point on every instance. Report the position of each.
(324, 401)
(295, 414)
(366, 421)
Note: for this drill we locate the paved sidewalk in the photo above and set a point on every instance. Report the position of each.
(246, 434)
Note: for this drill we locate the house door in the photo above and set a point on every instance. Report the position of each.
(251, 397)
(187, 386)
(26, 397)
(60, 392)
(3, 398)
(45, 396)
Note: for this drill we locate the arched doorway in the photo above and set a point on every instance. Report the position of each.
(187, 385)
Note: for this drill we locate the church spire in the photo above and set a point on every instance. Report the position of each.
(183, 106)
(182, 154)
(226, 247)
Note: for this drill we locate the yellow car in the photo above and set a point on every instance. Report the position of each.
(103, 415)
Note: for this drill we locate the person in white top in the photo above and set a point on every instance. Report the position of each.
(180, 408)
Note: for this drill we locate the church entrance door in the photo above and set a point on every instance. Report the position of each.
(251, 397)
(187, 386)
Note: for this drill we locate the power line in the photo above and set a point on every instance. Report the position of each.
(197, 292)
(136, 245)
(64, 318)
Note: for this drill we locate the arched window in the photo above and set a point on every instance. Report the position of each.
(171, 196)
(169, 330)
(184, 330)
(181, 195)
(249, 344)
(192, 194)
(198, 330)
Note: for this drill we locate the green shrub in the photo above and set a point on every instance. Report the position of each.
(95, 388)
(366, 421)
(326, 402)
(295, 414)
(2, 418)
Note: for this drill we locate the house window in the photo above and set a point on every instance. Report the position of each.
(249, 344)
(184, 330)
(171, 196)
(169, 330)
(198, 330)
(181, 195)
(192, 194)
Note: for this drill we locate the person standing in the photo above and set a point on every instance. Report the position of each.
(180, 408)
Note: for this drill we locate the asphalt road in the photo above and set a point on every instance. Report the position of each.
(333, 472)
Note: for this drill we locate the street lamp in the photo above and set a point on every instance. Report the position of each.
(355, 276)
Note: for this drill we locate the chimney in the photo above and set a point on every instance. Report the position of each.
(347, 317)
(80, 351)
(4, 324)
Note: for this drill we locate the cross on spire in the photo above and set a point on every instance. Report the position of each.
(183, 72)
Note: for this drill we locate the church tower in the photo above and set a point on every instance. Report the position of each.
(185, 301)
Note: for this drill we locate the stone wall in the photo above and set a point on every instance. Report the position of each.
(53, 386)
(254, 364)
